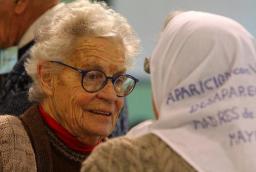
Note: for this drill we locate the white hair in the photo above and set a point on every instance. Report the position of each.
(56, 36)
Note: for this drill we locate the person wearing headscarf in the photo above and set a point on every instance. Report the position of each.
(78, 66)
(203, 74)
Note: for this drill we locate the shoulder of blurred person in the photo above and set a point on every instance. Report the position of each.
(144, 153)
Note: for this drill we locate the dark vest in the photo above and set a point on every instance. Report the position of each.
(50, 153)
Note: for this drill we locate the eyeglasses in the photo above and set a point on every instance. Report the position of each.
(94, 80)
(147, 65)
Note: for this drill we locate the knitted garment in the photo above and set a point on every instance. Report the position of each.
(63, 149)
(16, 152)
(144, 154)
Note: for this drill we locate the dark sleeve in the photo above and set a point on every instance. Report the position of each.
(14, 90)
(15, 104)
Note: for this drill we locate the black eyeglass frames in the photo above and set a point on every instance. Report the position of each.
(94, 80)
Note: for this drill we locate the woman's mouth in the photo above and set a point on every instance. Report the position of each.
(100, 112)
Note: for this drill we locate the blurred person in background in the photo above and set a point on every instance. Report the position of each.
(203, 81)
(17, 24)
(78, 68)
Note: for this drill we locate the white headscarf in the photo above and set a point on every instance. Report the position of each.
(203, 73)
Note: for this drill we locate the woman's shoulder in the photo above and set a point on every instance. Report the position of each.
(15, 145)
(147, 152)
(124, 154)
(164, 157)
(113, 155)
(9, 125)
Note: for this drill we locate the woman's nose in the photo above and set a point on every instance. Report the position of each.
(108, 92)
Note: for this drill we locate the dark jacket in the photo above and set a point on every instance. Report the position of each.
(14, 86)
(50, 153)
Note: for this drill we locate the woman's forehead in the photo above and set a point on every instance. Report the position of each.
(93, 62)
(98, 52)
(97, 43)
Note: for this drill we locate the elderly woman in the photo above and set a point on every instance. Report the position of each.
(14, 86)
(78, 66)
(204, 87)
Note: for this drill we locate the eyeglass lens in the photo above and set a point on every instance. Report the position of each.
(93, 81)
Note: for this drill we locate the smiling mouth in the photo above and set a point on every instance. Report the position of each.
(98, 112)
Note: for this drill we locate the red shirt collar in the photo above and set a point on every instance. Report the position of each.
(68, 139)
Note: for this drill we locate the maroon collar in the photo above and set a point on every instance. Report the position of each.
(67, 138)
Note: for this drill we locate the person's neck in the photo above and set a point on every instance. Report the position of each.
(88, 139)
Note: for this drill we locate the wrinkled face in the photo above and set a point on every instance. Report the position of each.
(7, 16)
(89, 114)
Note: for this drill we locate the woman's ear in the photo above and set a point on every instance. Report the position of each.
(21, 6)
(45, 78)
